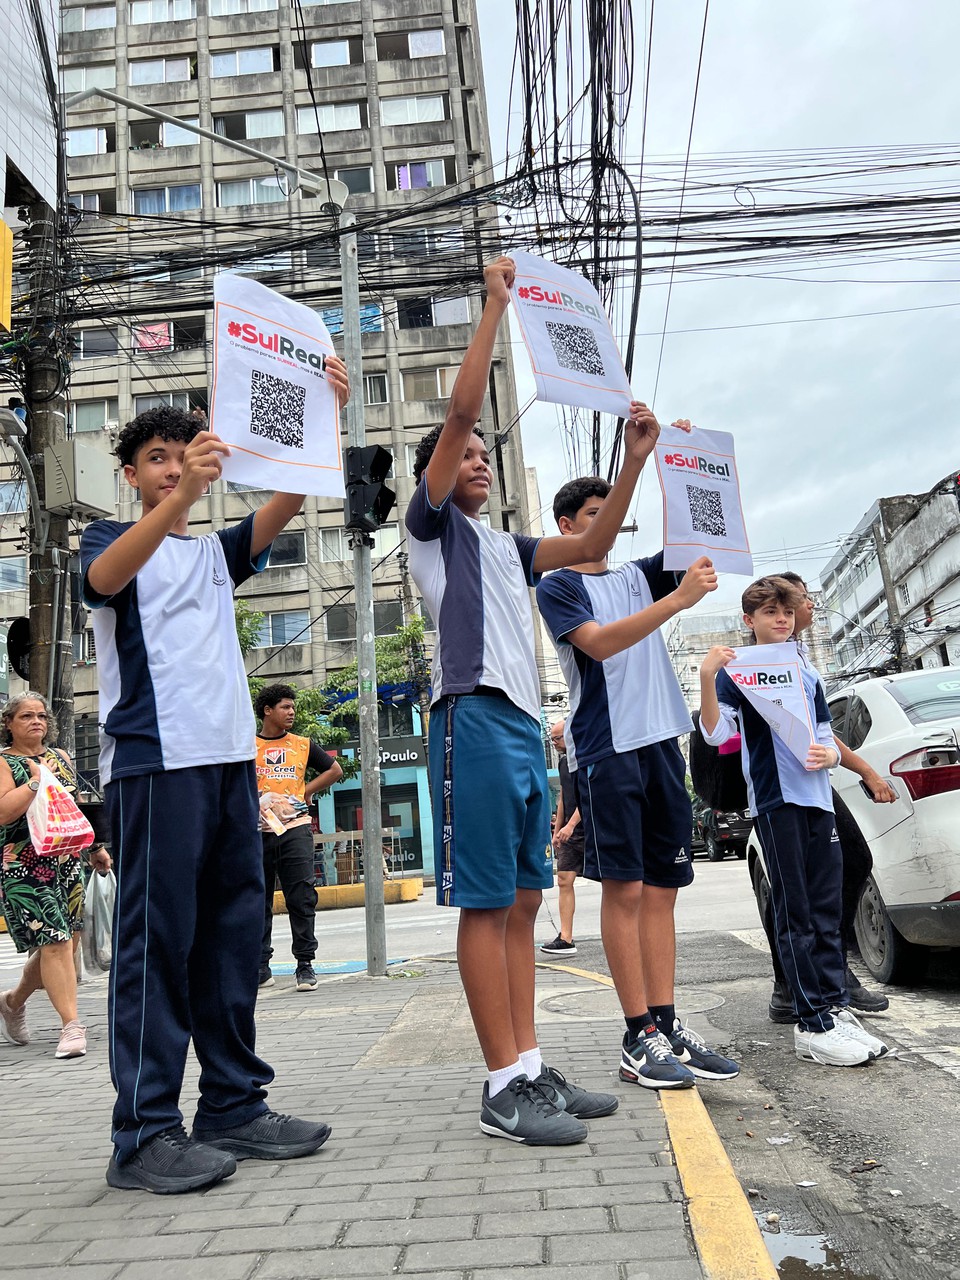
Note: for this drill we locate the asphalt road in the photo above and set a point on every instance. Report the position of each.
(876, 1146)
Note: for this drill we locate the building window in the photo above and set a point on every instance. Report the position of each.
(147, 134)
(93, 415)
(429, 384)
(417, 175)
(244, 62)
(161, 70)
(89, 17)
(96, 342)
(334, 117)
(903, 592)
(425, 313)
(341, 620)
(76, 79)
(288, 549)
(157, 200)
(358, 181)
(410, 44)
(12, 497)
(927, 575)
(292, 626)
(90, 203)
(333, 546)
(375, 388)
(418, 110)
(90, 142)
(224, 8)
(162, 11)
(371, 318)
(250, 124)
(429, 242)
(269, 264)
(330, 53)
(13, 573)
(185, 400)
(250, 191)
(386, 540)
(84, 648)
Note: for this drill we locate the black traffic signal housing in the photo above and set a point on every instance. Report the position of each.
(369, 501)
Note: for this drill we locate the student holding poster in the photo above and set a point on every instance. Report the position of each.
(792, 804)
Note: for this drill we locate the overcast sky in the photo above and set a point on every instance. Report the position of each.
(827, 416)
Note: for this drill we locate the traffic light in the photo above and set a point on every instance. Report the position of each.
(369, 500)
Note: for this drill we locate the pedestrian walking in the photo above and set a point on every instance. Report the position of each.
(567, 847)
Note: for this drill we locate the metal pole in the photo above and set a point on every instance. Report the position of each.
(366, 646)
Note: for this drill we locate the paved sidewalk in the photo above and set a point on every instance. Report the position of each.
(406, 1185)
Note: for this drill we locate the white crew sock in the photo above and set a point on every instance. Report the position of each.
(497, 1080)
(532, 1062)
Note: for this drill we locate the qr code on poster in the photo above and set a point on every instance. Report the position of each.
(276, 409)
(706, 511)
(575, 348)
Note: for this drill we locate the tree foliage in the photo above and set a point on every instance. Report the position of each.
(249, 624)
(395, 660)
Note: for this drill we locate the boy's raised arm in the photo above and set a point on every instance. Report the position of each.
(716, 659)
(466, 399)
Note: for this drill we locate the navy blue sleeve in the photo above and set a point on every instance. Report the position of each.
(564, 603)
(96, 537)
(660, 581)
(821, 712)
(423, 520)
(527, 550)
(727, 691)
(236, 547)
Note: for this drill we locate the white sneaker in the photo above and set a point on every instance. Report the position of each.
(833, 1048)
(852, 1027)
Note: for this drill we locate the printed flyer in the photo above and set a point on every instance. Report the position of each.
(702, 509)
(769, 677)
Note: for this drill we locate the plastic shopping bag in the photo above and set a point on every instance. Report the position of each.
(98, 921)
(57, 826)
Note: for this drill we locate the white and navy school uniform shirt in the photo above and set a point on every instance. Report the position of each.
(632, 699)
(773, 774)
(476, 584)
(173, 690)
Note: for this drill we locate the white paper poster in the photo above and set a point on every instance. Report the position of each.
(271, 401)
(702, 511)
(568, 338)
(769, 677)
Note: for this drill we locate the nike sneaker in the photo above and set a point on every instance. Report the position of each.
(523, 1112)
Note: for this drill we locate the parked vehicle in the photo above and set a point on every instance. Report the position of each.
(908, 727)
(724, 832)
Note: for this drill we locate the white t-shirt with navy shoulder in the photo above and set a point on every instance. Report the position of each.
(476, 583)
(632, 699)
(173, 690)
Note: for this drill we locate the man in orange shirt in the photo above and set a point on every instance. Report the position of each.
(282, 762)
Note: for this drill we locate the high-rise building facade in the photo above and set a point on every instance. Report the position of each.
(385, 95)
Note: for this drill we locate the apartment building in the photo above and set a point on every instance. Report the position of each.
(387, 96)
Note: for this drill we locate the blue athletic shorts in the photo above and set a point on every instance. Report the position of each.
(491, 802)
(637, 817)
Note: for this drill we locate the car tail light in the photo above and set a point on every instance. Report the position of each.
(951, 897)
(929, 772)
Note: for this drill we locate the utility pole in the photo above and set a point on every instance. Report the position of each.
(51, 665)
(889, 590)
(362, 544)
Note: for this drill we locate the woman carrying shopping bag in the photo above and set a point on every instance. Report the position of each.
(42, 894)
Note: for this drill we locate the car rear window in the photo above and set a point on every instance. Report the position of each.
(934, 696)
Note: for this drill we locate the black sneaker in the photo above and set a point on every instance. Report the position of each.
(781, 1009)
(266, 976)
(170, 1164)
(523, 1112)
(306, 978)
(572, 1099)
(559, 947)
(862, 999)
(267, 1137)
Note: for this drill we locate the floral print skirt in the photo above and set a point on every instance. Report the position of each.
(42, 898)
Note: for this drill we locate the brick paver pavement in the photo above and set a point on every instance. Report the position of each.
(406, 1185)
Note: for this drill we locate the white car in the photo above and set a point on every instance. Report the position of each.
(908, 727)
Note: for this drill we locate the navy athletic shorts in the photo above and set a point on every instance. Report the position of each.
(491, 802)
(637, 817)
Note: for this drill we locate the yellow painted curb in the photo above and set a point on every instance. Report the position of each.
(728, 1240)
(334, 896)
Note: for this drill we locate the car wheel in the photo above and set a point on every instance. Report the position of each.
(885, 951)
(714, 852)
(761, 889)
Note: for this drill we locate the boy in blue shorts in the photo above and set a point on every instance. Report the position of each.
(793, 808)
(626, 713)
(177, 760)
(488, 774)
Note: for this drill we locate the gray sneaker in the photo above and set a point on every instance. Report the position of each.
(572, 1099)
(523, 1112)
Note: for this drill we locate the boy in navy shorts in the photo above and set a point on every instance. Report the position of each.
(488, 775)
(626, 713)
(793, 808)
(177, 760)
